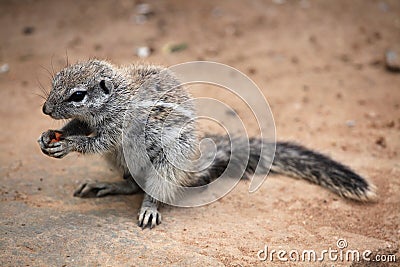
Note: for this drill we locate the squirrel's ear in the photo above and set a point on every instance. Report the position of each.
(106, 86)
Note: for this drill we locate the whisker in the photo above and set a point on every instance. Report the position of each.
(48, 71)
(41, 96)
(45, 92)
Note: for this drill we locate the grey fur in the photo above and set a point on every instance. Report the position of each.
(293, 160)
(98, 97)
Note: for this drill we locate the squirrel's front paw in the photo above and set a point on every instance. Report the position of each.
(58, 149)
(50, 136)
(53, 144)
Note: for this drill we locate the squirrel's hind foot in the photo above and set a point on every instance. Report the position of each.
(149, 214)
(101, 189)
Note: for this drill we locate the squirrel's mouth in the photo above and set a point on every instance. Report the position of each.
(56, 116)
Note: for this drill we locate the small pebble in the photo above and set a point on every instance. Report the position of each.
(143, 9)
(4, 68)
(28, 30)
(390, 124)
(143, 51)
(252, 70)
(392, 61)
(371, 115)
(350, 123)
(381, 141)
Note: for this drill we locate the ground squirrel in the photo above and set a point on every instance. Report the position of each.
(97, 96)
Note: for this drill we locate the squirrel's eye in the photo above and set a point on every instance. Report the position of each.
(77, 96)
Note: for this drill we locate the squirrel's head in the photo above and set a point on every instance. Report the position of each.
(81, 90)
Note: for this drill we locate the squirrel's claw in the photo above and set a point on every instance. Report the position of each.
(93, 189)
(149, 216)
(56, 150)
(53, 149)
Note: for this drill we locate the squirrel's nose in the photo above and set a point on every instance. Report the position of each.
(45, 109)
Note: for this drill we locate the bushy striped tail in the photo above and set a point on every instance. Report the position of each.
(290, 159)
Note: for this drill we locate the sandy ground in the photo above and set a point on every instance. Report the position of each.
(319, 64)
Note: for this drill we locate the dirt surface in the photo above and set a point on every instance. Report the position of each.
(321, 66)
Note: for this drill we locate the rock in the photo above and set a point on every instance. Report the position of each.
(4, 68)
(381, 141)
(252, 70)
(392, 61)
(350, 123)
(28, 30)
(143, 51)
(143, 9)
(371, 115)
